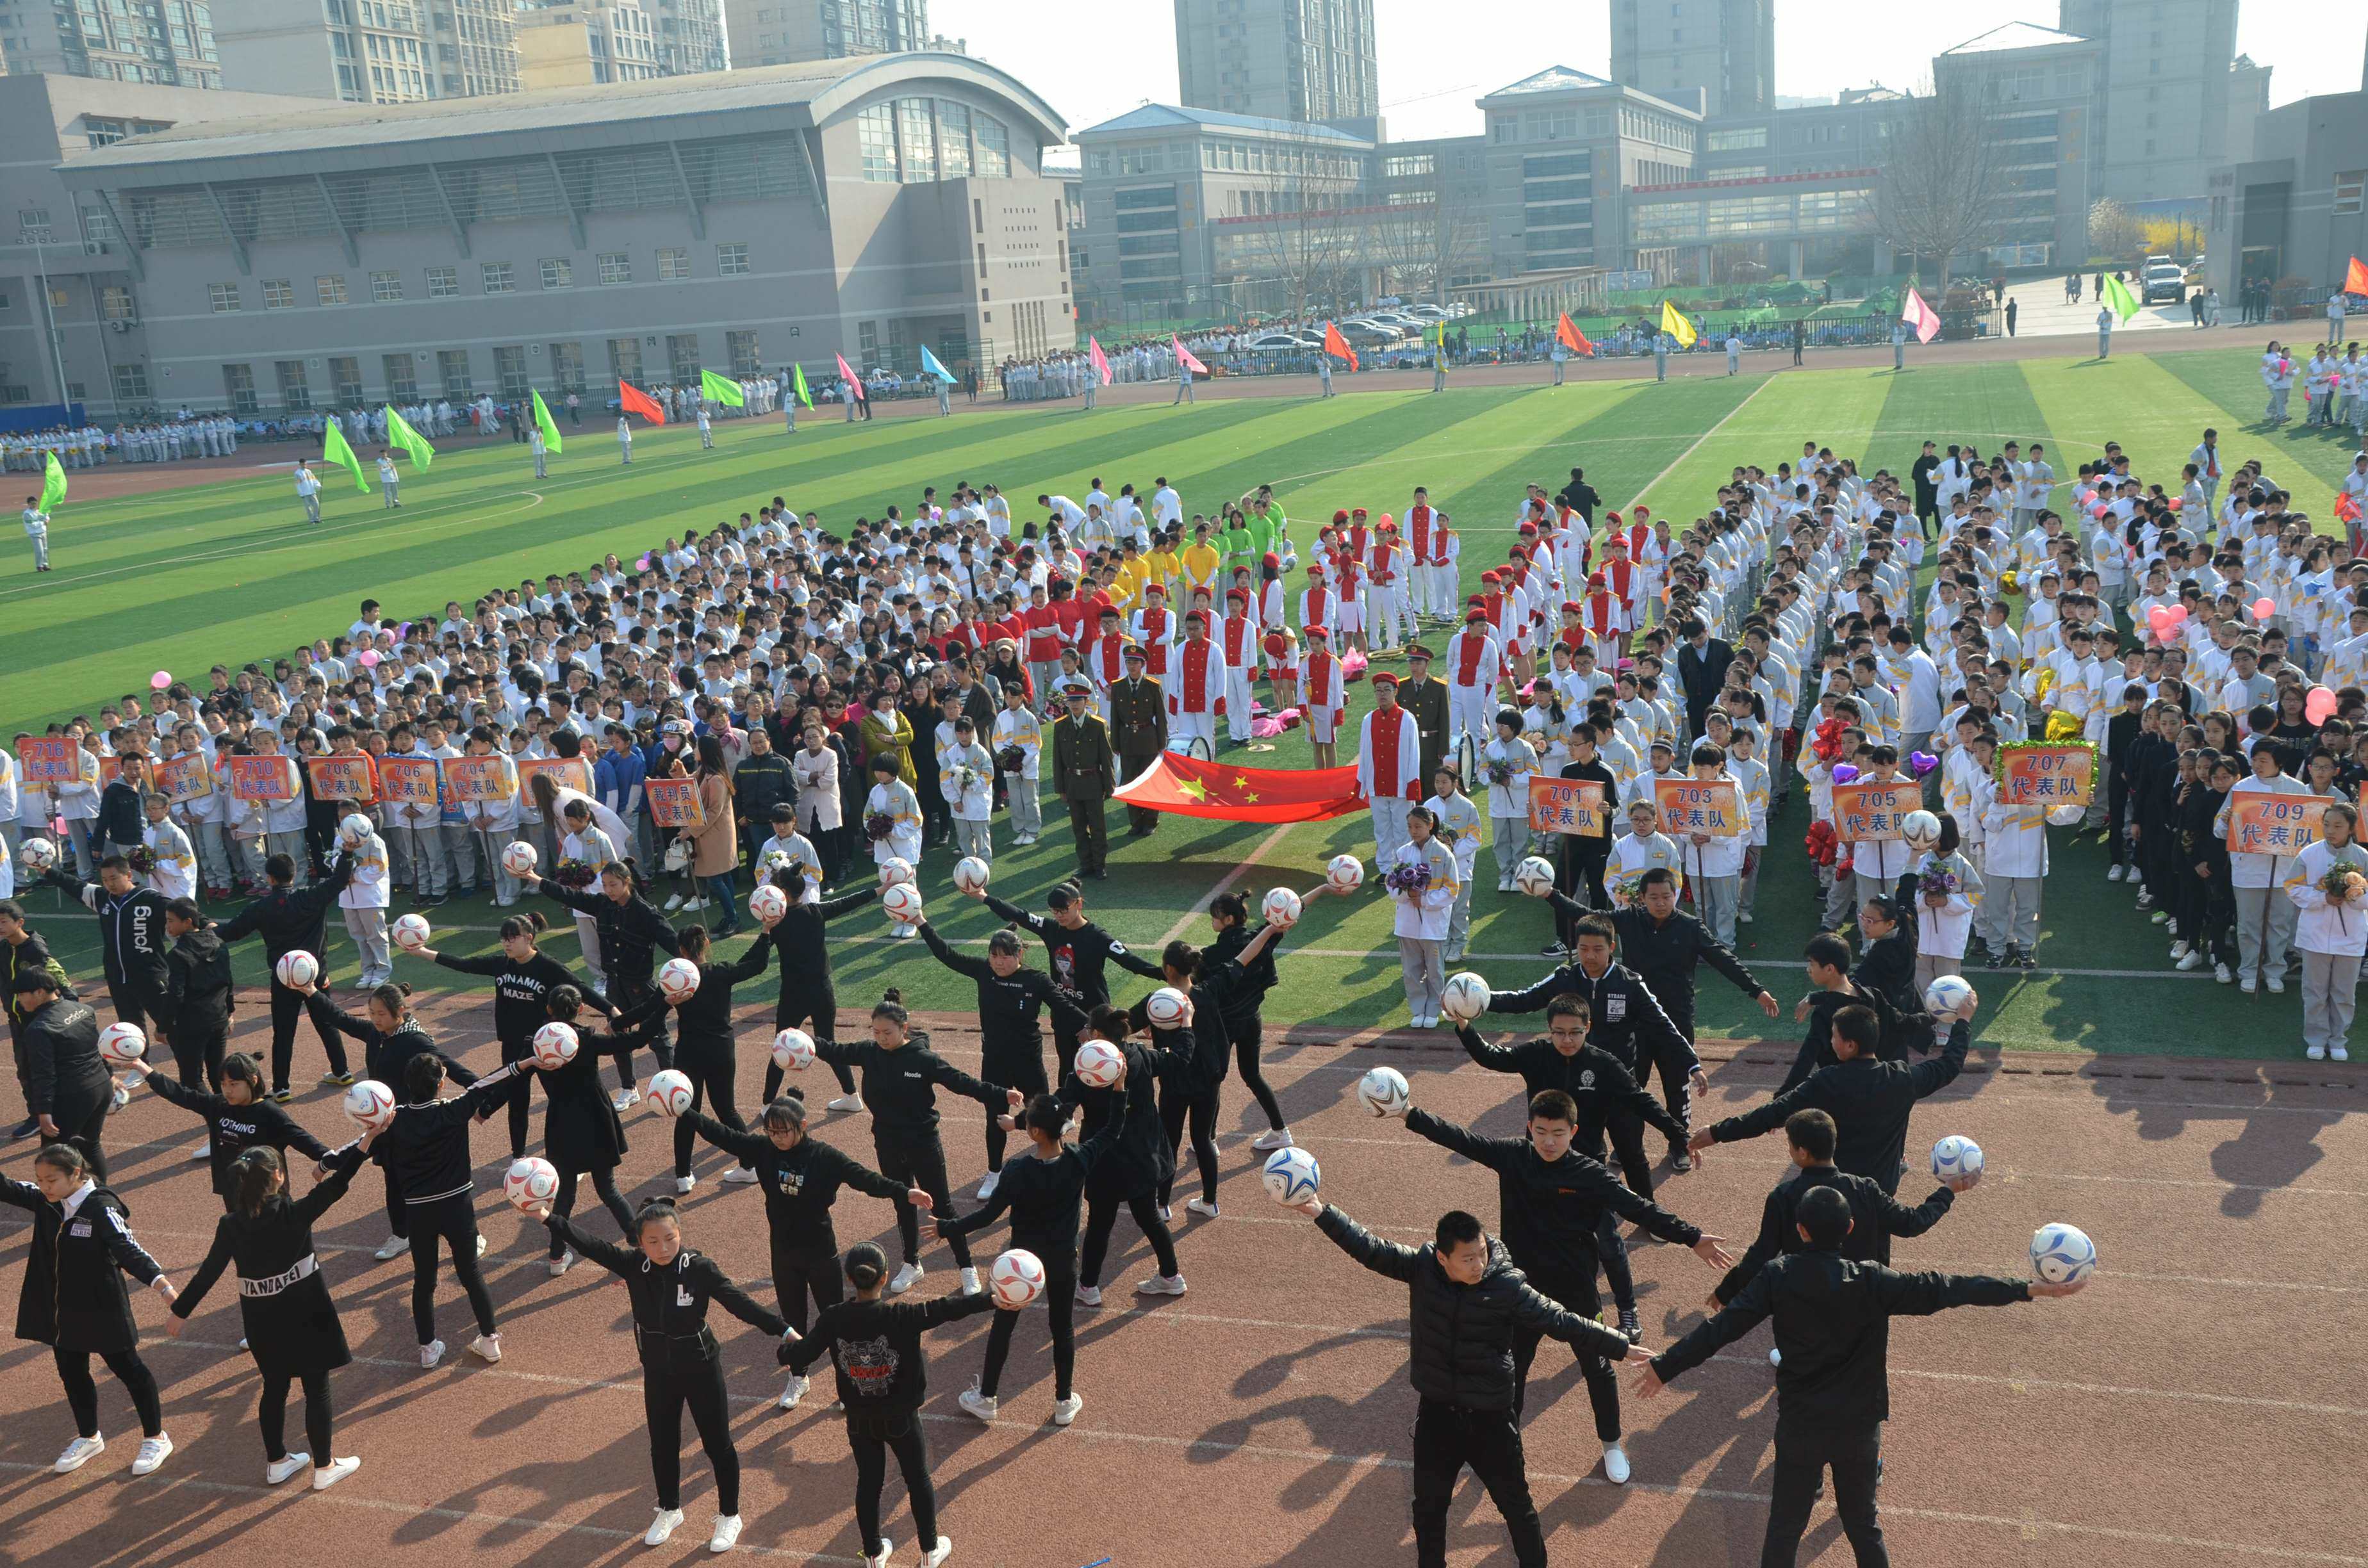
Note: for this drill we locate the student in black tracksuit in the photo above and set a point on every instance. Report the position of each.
(900, 1077)
(68, 1090)
(426, 1150)
(1044, 1189)
(582, 1137)
(1011, 1001)
(671, 1287)
(291, 921)
(809, 999)
(193, 1014)
(1553, 1201)
(286, 1320)
(74, 1300)
(1582, 857)
(22, 951)
(131, 934)
(1832, 1319)
(875, 1345)
(1076, 953)
(633, 931)
(524, 977)
(1465, 1302)
(1887, 964)
(1869, 1098)
(391, 1040)
(239, 1116)
(1132, 1173)
(1190, 1096)
(703, 1046)
(1832, 987)
(1242, 1008)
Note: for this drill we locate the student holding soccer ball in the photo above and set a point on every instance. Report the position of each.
(524, 978)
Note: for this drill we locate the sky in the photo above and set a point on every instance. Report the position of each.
(1434, 63)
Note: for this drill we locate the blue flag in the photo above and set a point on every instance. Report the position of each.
(929, 366)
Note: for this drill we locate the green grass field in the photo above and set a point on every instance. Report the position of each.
(228, 572)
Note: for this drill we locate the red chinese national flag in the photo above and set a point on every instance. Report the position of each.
(634, 400)
(1189, 787)
(1338, 345)
(2355, 276)
(1567, 331)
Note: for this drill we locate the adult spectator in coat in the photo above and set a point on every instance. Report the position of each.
(1702, 666)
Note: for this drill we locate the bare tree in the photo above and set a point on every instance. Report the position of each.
(1302, 247)
(1943, 188)
(2114, 229)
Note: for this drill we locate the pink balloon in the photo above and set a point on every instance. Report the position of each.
(2177, 614)
(2099, 509)
(2177, 503)
(2264, 608)
(369, 658)
(160, 680)
(2319, 705)
(2159, 619)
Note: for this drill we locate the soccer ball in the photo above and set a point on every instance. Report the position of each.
(793, 1050)
(970, 874)
(121, 1045)
(39, 856)
(1097, 1064)
(354, 828)
(518, 858)
(1383, 1092)
(530, 1183)
(370, 1103)
(1465, 998)
(678, 979)
(1291, 1176)
(1168, 1008)
(903, 902)
(411, 933)
(1016, 1278)
(1953, 1156)
(1949, 997)
(2061, 1255)
(896, 870)
(1534, 876)
(670, 1087)
(297, 968)
(1280, 908)
(768, 902)
(1921, 831)
(1346, 873)
(554, 1045)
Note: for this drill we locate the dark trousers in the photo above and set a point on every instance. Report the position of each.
(664, 1392)
(604, 1184)
(800, 1271)
(1676, 1083)
(287, 1006)
(198, 1054)
(82, 1391)
(1602, 1392)
(1131, 765)
(517, 1103)
(1581, 866)
(84, 1127)
(1086, 821)
(710, 1071)
(1626, 1129)
(1017, 1065)
(812, 1005)
(1176, 1109)
(1102, 1216)
(1061, 1309)
(1801, 1460)
(1249, 1037)
(132, 1005)
(271, 1415)
(2118, 811)
(911, 1447)
(454, 1222)
(1612, 1251)
(1446, 1438)
(918, 1160)
(625, 994)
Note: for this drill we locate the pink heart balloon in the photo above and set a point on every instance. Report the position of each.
(1845, 773)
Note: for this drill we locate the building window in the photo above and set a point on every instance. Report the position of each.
(294, 393)
(558, 272)
(994, 147)
(238, 389)
(2347, 186)
(682, 355)
(953, 139)
(730, 260)
(402, 382)
(346, 375)
(742, 346)
(625, 358)
(568, 367)
(114, 303)
(616, 266)
(131, 384)
(496, 278)
(1737, 140)
(386, 287)
(867, 343)
(452, 368)
(224, 296)
(443, 283)
(674, 262)
(509, 368)
(330, 287)
(917, 140)
(875, 133)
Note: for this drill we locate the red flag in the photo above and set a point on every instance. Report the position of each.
(1567, 331)
(1189, 787)
(2355, 276)
(1338, 345)
(849, 377)
(634, 400)
(1100, 360)
(1184, 356)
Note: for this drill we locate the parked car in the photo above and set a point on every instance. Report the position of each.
(1277, 343)
(2164, 283)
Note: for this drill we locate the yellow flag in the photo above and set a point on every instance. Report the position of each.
(1676, 326)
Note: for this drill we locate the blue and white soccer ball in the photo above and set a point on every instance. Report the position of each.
(2061, 1255)
(1291, 1177)
(1949, 997)
(1954, 1157)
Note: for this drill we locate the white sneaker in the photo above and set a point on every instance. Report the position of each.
(938, 1553)
(662, 1525)
(2247, 985)
(987, 1185)
(694, 903)
(1161, 1285)
(2277, 983)
(1278, 1138)
(242, 1342)
(430, 1353)
(486, 1348)
(739, 1175)
(1065, 1410)
(792, 1391)
(727, 1533)
(1090, 1295)
(121, 1098)
(970, 1281)
(328, 1475)
(626, 1099)
(154, 1453)
(673, 902)
(684, 1184)
(202, 1153)
(983, 1405)
(2220, 973)
(394, 1246)
(1615, 1464)
(563, 1263)
(2114, 875)
(2178, 950)
(880, 1558)
(846, 1103)
(2338, 1054)
(78, 1453)
(1775, 1357)
(905, 1279)
(1201, 1206)
(1166, 1215)
(481, 1243)
(2191, 959)
(2314, 1053)
(279, 1471)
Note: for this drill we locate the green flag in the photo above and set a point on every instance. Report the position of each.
(399, 433)
(335, 449)
(544, 422)
(722, 389)
(798, 385)
(54, 482)
(2117, 297)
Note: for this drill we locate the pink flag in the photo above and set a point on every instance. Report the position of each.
(848, 376)
(1184, 356)
(1921, 316)
(1100, 360)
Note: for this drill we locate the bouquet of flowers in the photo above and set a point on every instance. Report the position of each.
(142, 860)
(1500, 772)
(1409, 880)
(877, 825)
(965, 779)
(574, 874)
(1010, 759)
(2342, 882)
(1941, 879)
(1628, 892)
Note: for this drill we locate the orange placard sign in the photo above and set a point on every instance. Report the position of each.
(673, 802)
(2274, 824)
(1714, 806)
(568, 772)
(340, 778)
(2038, 774)
(186, 777)
(481, 777)
(48, 759)
(408, 780)
(1566, 805)
(1872, 812)
(263, 777)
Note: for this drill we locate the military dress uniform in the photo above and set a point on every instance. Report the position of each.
(1082, 767)
(1139, 724)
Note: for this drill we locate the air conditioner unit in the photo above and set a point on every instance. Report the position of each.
(120, 325)
(92, 247)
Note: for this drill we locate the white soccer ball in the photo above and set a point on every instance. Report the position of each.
(2061, 1255)
(1168, 1008)
(1280, 908)
(1383, 1092)
(297, 968)
(1466, 997)
(519, 858)
(1016, 1278)
(410, 932)
(970, 874)
(1953, 1157)
(530, 1183)
(670, 1087)
(354, 827)
(555, 1045)
(1291, 1176)
(2067, 815)
(767, 902)
(1097, 1064)
(1921, 831)
(370, 1103)
(793, 1050)
(896, 870)
(903, 902)
(1534, 876)
(39, 856)
(1346, 873)
(1951, 996)
(678, 979)
(121, 1045)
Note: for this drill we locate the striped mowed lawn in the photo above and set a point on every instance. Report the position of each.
(228, 572)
